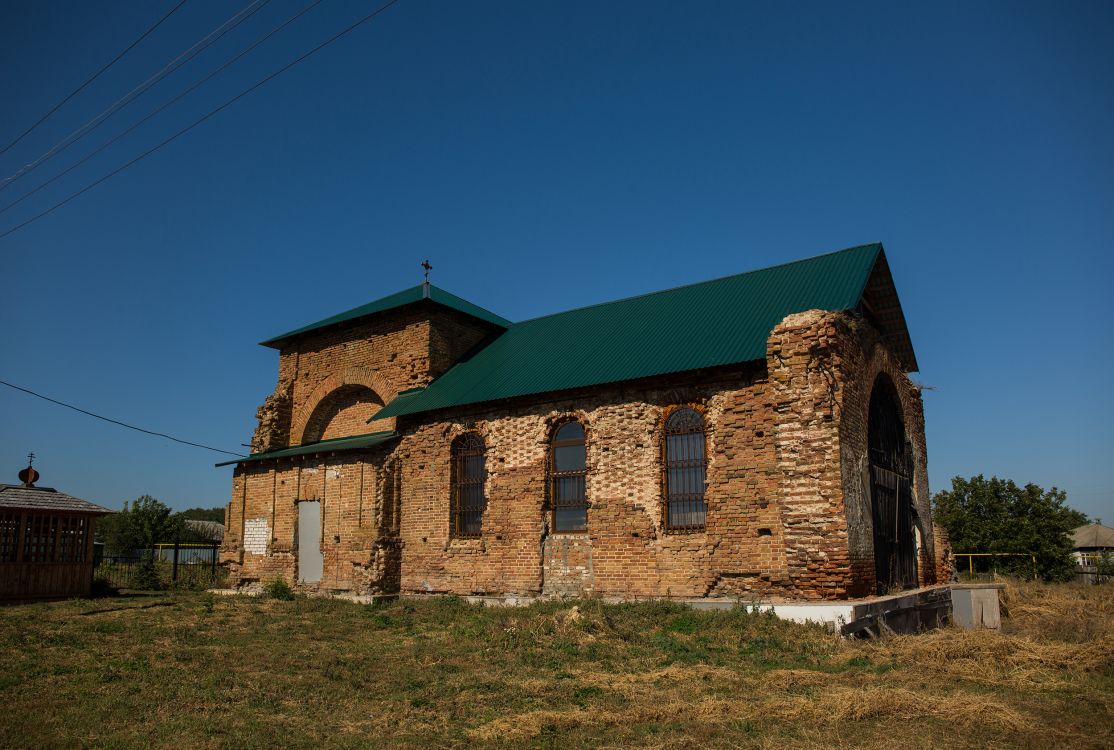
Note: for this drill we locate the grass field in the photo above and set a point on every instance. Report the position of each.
(198, 671)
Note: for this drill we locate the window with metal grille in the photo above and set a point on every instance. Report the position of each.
(684, 470)
(469, 473)
(568, 470)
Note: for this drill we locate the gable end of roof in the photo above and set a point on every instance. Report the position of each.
(412, 296)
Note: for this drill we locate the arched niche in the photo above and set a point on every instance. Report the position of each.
(316, 416)
(341, 413)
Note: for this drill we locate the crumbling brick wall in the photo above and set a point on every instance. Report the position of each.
(827, 365)
(273, 415)
(625, 551)
(801, 354)
(385, 354)
(945, 559)
(786, 515)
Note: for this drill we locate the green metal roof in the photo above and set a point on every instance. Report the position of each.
(398, 299)
(718, 322)
(323, 446)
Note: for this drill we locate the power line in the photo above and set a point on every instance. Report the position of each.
(92, 78)
(202, 119)
(198, 47)
(117, 422)
(162, 107)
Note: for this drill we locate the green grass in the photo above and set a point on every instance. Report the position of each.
(214, 672)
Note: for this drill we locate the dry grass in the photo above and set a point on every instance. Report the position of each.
(206, 672)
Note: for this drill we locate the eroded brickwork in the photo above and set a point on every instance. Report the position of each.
(945, 560)
(274, 416)
(786, 514)
(365, 363)
(825, 366)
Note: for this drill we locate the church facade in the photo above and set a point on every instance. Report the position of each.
(753, 436)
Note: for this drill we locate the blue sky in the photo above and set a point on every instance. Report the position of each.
(544, 156)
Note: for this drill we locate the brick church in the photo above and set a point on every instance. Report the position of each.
(751, 436)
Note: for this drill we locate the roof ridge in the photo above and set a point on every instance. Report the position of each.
(700, 283)
(469, 302)
(409, 296)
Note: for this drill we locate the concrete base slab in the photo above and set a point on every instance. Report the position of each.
(234, 592)
(913, 611)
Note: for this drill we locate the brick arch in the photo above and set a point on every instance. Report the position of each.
(878, 362)
(353, 376)
(553, 422)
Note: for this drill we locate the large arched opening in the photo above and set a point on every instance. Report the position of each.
(342, 413)
(891, 491)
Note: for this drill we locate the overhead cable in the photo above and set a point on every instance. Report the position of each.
(92, 78)
(201, 119)
(198, 47)
(117, 422)
(161, 107)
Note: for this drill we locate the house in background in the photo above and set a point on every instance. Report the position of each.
(46, 541)
(202, 544)
(210, 531)
(1092, 541)
(755, 435)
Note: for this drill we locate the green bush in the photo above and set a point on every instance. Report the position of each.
(147, 576)
(279, 589)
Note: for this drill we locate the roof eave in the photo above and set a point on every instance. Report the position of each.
(326, 447)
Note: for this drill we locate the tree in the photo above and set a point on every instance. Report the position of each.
(204, 514)
(140, 525)
(995, 515)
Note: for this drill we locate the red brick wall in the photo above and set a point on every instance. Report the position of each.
(827, 365)
(785, 509)
(358, 519)
(385, 354)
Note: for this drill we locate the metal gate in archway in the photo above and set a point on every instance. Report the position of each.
(891, 491)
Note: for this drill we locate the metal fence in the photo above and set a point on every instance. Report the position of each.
(188, 554)
(974, 566)
(165, 566)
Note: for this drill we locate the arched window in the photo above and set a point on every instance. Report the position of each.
(468, 475)
(568, 469)
(685, 469)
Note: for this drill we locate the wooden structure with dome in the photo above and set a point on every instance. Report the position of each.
(46, 541)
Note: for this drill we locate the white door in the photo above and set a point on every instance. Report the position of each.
(310, 561)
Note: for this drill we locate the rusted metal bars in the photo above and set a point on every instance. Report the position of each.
(569, 471)
(685, 467)
(469, 476)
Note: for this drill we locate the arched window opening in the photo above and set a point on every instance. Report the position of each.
(685, 470)
(568, 470)
(469, 473)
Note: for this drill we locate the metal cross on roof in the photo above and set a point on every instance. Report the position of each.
(428, 268)
(30, 458)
